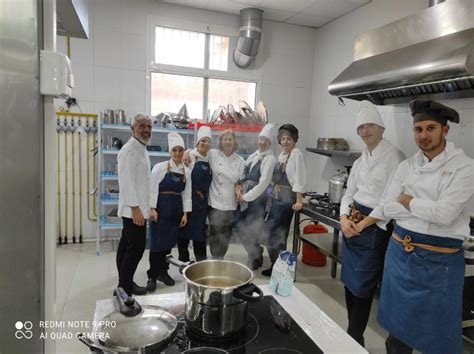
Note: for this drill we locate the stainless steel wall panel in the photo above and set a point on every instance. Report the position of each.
(21, 187)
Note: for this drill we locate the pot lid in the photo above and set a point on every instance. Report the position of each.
(152, 326)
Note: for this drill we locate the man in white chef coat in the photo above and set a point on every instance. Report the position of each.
(363, 252)
(421, 297)
(134, 202)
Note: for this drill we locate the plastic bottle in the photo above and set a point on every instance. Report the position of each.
(288, 277)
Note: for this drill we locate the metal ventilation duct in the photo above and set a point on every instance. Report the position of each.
(249, 37)
(428, 54)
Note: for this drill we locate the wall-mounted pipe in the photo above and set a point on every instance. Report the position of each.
(250, 35)
(73, 175)
(66, 190)
(59, 129)
(80, 178)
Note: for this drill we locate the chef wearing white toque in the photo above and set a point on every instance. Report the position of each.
(363, 253)
(252, 196)
(171, 193)
(201, 176)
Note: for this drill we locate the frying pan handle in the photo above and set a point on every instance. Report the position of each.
(176, 262)
(246, 291)
(96, 348)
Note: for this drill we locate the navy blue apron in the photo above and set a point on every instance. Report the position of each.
(164, 232)
(421, 298)
(281, 211)
(201, 178)
(363, 257)
(256, 208)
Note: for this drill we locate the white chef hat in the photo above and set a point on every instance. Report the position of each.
(268, 132)
(174, 139)
(368, 113)
(204, 132)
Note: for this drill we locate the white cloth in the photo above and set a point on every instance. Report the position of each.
(174, 139)
(368, 113)
(134, 179)
(369, 176)
(440, 189)
(295, 169)
(158, 174)
(226, 172)
(268, 131)
(204, 132)
(266, 172)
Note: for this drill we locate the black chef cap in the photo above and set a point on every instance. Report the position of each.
(288, 129)
(432, 110)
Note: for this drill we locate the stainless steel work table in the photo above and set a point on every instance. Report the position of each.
(318, 241)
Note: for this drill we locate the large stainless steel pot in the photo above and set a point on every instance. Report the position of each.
(217, 293)
(132, 328)
(332, 144)
(336, 187)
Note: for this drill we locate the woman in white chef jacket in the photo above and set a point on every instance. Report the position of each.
(252, 196)
(227, 170)
(289, 180)
(171, 193)
(363, 253)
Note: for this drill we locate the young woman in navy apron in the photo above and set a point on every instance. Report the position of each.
(171, 185)
(253, 198)
(201, 176)
(287, 195)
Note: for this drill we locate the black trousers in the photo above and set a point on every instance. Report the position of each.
(221, 224)
(199, 248)
(158, 264)
(129, 253)
(358, 311)
(396, 346)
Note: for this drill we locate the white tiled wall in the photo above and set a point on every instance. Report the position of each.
(110, 68)
(334, 52)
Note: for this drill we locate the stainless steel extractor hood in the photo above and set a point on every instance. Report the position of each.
(429, 54)
(72, 18)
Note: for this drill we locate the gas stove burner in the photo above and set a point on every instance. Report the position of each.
(270, 330)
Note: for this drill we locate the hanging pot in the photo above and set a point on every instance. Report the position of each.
(139, 329)
(217, 293)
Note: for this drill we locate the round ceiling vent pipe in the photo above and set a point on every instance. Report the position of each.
(435, 2)
(249, 36)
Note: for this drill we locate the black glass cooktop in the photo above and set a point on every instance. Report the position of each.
(270, 330)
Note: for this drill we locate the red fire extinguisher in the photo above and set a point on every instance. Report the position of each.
(311, 255)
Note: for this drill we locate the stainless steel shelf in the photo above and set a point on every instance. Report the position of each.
(105, 177)
(150, 153)
(154, 129)
(110, 201)
(330, 153)
(105, 226)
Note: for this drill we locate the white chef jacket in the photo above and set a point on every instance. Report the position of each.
(440, 190)
(226, 172)
(295, 169)
(266, 172)
(133, 178)
(158, 174)
(369, 176)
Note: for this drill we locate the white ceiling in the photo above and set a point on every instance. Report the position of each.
(312, 13)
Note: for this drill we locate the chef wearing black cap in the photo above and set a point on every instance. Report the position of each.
(289, 180)
(421, 298)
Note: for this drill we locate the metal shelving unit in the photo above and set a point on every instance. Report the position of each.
(331, 153)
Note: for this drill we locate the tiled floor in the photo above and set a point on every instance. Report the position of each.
(83, 277)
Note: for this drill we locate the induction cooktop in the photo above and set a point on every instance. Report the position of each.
(270, 330)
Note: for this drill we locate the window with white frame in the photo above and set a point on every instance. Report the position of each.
(196, 68)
